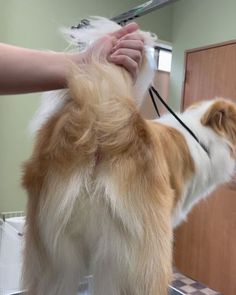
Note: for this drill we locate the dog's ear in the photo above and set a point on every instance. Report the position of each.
(221, 117)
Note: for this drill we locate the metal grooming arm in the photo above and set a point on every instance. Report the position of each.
(131, 14)
(140, 10)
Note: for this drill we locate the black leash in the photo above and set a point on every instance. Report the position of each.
(151, 90)
(153, 101)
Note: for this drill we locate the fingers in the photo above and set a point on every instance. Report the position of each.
(131, 44)
(123, 47)
(101, 47)
(128, 53)
(130, 28)
(134, 54)
(126, 62)
(132, 36)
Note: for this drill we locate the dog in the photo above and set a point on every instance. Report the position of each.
(106, 187)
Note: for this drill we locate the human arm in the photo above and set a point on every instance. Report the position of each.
(25, 70)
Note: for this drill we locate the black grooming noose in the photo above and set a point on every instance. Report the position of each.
(153, 90)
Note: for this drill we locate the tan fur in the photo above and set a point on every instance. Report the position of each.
(101, 130)
(221, 117)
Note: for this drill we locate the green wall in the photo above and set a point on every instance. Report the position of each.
(198, 23)
(159, 22)
(34, 24)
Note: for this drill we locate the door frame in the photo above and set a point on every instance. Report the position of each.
(188, 51)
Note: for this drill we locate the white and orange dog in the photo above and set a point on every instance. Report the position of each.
(106, 187)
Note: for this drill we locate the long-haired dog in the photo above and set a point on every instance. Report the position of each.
(106, 187)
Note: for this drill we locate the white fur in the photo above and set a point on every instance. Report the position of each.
(51, 102)
(210, 171)
(95, 235)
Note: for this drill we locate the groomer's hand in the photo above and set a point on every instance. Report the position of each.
(128, 50)
(123, 47)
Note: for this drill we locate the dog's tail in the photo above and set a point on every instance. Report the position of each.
(104, 94)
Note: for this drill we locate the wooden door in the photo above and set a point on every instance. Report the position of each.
(205, 246)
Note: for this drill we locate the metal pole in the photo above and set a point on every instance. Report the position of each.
(140, 10)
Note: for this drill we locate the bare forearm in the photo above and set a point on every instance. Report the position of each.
(25, 70)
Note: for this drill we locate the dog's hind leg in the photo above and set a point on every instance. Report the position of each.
(69, 269)
(123, 264)
(60, 277)
(131, 273)
(107, 279)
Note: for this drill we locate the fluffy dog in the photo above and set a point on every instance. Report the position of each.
(106, 187)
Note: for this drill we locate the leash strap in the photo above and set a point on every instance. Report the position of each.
(153, 101)
(151, 90)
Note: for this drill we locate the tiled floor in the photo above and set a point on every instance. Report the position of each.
(189, 286)
(180, 282)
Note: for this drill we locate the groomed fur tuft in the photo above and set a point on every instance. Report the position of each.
(80, 40)
(104, 94)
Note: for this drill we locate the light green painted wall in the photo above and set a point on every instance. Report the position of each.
(159, 21)
(34, 24)
(198, 23)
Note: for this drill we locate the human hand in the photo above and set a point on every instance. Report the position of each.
(123, 47)
(128, 50)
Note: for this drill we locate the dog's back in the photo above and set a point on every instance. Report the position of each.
(99, 200)
(103, 184)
